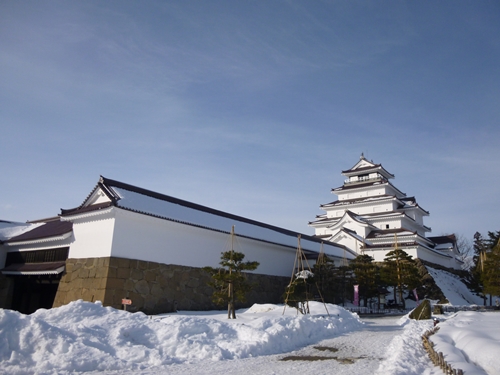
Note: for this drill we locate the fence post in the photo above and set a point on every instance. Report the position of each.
(441, 360)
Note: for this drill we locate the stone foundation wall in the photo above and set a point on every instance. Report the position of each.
(84, 279)
(153, 287)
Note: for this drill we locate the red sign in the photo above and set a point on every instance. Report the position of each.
(126, 301)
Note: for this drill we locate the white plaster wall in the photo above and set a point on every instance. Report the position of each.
(375, 207)
(148, 238)
(418, 252)
(418, 217)
(369, 191)
(93, 237)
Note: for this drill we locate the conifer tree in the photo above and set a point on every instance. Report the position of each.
(299, 292)
(343, 284)
(229, 283)
(480, 247)
(491, 274)
(483, 248)
(365, 275)
(400, 271)
(325, 277)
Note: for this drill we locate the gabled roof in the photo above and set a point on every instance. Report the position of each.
(365, 166)
(147, 202)
(411, 202)
(351, 215)
(351, 233)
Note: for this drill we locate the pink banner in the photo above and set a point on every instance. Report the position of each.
(356, 295)
(416, 295)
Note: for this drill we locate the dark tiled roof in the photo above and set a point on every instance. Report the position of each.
(345, 202)
(386, 232)
(50, 229)
(443, 239)
(80, 210)
(363, 169)
(36, 268)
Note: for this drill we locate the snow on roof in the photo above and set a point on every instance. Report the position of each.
(162, 206)
(9, 229)
(344, 202)
(41, 230)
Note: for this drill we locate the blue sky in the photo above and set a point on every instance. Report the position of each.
(251, 107)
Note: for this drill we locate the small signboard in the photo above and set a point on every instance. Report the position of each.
(126, 301)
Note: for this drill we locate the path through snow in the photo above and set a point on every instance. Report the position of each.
(358, 352)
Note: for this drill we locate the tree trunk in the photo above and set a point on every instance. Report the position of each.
(231, 313)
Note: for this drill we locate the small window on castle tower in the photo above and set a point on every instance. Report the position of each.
(386, 226)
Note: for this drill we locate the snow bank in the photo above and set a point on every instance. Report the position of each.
(84, 336)
(405, 353)
(471, 341)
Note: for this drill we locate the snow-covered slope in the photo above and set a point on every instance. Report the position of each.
(453, 288)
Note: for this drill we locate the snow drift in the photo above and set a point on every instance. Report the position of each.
(84, 336)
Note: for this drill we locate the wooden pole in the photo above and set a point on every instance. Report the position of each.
(230, 307)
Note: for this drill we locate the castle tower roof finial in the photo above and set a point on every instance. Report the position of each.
(362, 157)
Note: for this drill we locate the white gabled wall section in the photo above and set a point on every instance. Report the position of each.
(92, 234)
(148, 238)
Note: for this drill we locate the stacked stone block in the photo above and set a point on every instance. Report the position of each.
(153, 287)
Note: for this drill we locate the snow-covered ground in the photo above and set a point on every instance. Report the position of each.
(84, 337)
(87, 337)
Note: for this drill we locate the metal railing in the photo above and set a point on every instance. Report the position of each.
(453, 309)
(362, 179)
(385, 311)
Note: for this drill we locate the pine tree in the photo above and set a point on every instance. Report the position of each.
(365, 275)
(482, 249)
(342, 282)
(325, 276)
(228, 281)
(400, 271)
(491, 273)
(299, 292)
